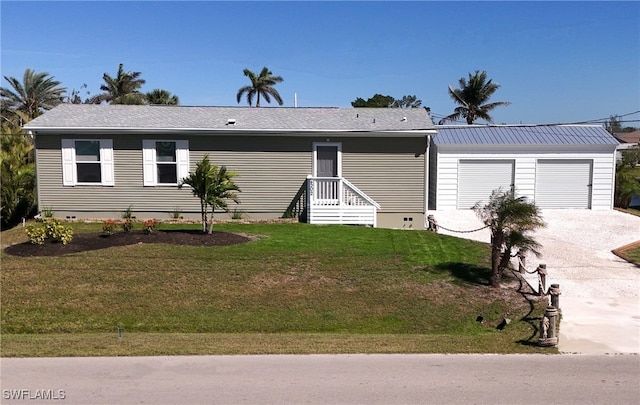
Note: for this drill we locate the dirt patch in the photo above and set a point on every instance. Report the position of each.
(93, 241)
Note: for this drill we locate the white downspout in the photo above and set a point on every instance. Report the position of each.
(426, 180)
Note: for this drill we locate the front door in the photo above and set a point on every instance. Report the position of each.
(326, 161)
(326, 170)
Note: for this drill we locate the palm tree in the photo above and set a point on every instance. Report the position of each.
(509, 218)
(213, 185)
(122, 89)
(36, 93)
(626, 185)
(18, 176)
(161, 97)
(473, 96)
(261, 85)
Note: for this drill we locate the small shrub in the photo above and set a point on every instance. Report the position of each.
(149, 226)
(50, 229)
(109, 227)
(127, 215)
(58, 232)
(47, 212)
(176, 213)
(237, 214)
(127, 225)
(37, 234)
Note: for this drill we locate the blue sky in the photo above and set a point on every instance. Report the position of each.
(556, 62)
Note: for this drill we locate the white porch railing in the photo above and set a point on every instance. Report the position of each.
(334, 200)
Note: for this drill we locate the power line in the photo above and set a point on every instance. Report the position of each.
(592, 121)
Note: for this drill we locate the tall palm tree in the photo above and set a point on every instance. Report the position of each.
(162, 97)
(36, 93)
(122, 89)
(473, 96)
(261, 85)
(509, 219)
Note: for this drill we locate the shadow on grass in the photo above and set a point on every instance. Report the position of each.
(466, 272)
(531, 297)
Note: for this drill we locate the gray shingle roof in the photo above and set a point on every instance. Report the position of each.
(524, 135)
(78, 116)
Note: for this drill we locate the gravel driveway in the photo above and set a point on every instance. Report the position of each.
(600, 298)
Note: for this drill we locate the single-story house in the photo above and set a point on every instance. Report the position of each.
(383, 167)
(628, 140)
(322, 165)
(557, 166)
(629, 137)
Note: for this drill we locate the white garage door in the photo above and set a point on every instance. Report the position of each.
(563, 183)
(478, 178)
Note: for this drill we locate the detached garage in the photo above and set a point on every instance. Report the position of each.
(557, 166)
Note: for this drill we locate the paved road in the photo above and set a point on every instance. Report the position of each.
(326, 379)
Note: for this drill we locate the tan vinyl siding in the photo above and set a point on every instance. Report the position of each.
(127, 190)
(271, 170)
(387, 170)
(269, 176)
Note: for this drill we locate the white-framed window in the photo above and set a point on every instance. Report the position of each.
(165, 162)
(87, 162)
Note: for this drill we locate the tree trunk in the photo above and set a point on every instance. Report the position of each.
(211, 223)
(497, 240)
(203, 215)
(496, 271)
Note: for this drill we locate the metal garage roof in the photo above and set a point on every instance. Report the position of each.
(523, 135)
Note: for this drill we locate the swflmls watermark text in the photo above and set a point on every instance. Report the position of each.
(28, 394)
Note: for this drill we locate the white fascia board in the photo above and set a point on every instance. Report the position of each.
(230, 131)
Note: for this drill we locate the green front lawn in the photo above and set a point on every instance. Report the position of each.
(297, 288)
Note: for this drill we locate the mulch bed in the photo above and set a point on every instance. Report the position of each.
(93, 241)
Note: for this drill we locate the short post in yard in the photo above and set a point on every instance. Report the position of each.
(548, 328)
(554, 293)
(433, 225)
(542, 279)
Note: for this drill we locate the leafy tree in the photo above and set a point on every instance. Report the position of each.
(631, 157)
(377, 101)
(36, 93)
(473, 96)
(161, 97)
(122, 89)
(380, 101)
(407, 102)
(261, 86)
(626, 185)
(509, 218)
(18, 176)
(213, 185)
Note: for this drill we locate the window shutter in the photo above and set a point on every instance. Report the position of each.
(148, 162)
(182, 152)
(106, 160)
(68, 168)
